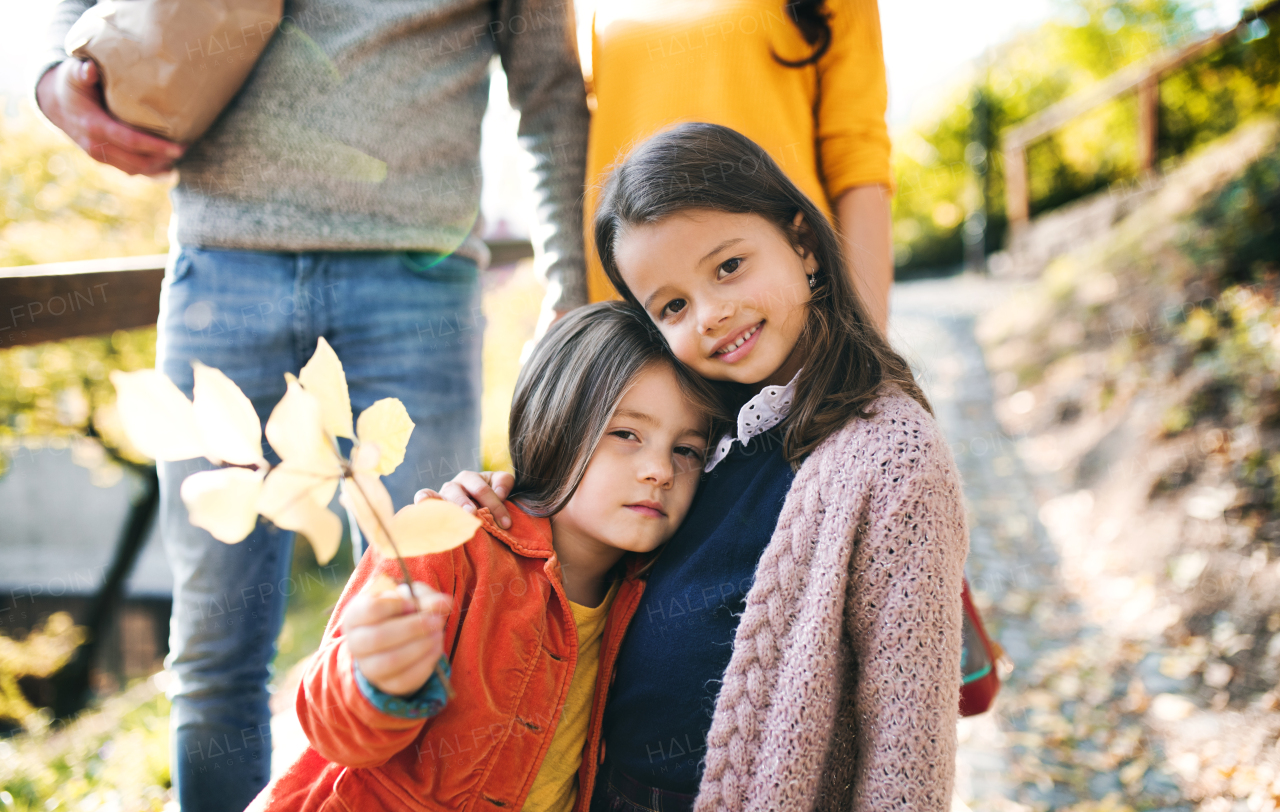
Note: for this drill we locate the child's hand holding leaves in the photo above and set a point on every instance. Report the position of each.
(220, 424)
(395, 644)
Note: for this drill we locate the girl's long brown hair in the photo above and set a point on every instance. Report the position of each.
(707, 166)
(810, 16)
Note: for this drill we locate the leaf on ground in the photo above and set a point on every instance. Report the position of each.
(324, 378)
(386, 423)
(223, 501)
(157, 417)
(226, 419)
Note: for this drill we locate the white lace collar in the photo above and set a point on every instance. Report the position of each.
(764, 411)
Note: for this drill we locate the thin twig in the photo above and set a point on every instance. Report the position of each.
(404, 571)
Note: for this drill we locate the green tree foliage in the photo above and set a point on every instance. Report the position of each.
(42, 653)
(61, 205)
(1088, 41)
(1213, 96)
(114, 758)
(58, 393)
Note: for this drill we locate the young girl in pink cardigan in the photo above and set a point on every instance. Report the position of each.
(798, 643)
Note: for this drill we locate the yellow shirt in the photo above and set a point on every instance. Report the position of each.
(655, 63)
(555, 788)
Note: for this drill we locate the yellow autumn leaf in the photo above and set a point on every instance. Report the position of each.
(387, 424)
(296, 497)
(225, 418)
(295, 428)
(365, 456)
(432, 526)
(323, 377)
(323, 531)
(223, 501)
(157, 417)
(366, 497)
(380, 583)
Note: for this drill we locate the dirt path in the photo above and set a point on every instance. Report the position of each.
(1067, 730)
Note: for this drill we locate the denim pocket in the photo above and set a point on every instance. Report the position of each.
(448, 268)
(181, 267)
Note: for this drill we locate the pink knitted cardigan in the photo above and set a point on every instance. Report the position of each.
(844, 684)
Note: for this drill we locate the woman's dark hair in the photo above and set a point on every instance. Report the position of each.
(811, 18)
(568, 390)
(707, 166)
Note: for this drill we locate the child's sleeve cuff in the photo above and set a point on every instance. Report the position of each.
(427, 702)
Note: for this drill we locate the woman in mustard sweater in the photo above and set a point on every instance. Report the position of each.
(805, 80)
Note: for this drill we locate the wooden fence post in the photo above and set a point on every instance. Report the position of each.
(1148, 121)
(1017, 195)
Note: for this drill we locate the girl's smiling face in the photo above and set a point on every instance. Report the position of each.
(728, 291)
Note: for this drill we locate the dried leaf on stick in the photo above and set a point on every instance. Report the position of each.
(220, 424)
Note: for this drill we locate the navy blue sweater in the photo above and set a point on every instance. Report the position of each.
(678, 646)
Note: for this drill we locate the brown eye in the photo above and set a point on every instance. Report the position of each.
(673, 307)
(729, 266)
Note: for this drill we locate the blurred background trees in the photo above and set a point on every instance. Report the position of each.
(61, 205)
(1090, 40)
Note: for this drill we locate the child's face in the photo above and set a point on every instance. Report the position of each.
(709, 280)
(643, 474)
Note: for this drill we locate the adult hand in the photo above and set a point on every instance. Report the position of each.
(396, 647)
(70, 96)
(473, 490)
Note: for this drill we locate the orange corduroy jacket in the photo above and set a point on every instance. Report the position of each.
(512, 647)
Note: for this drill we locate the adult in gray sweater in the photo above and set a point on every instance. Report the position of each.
(336, 196)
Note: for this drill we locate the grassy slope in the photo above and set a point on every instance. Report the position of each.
(1139, 376)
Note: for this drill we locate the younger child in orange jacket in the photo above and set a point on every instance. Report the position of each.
(607, 437)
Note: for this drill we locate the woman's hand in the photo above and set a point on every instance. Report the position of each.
(395, 647)
(473, 490)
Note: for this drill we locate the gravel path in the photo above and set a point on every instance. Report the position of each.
(1061, 735)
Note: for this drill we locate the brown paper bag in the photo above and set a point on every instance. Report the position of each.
(170, 66)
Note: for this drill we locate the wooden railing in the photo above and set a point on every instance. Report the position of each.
(1142, 78)
(69, 299)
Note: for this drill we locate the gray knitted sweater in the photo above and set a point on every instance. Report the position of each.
(359, 130)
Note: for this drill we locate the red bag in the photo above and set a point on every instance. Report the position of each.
(978, 655)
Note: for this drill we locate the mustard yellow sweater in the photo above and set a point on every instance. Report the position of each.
(655, 63)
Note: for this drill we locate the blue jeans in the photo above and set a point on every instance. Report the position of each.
(618, 792)
(405, 325)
